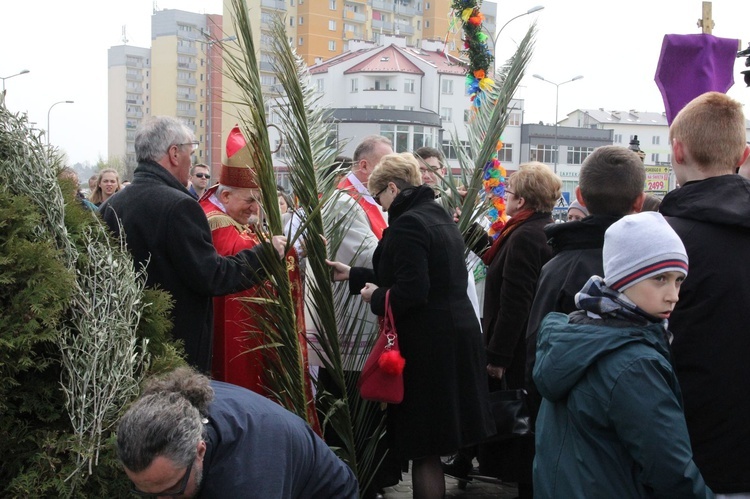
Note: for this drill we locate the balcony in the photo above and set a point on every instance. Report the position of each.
(185, 49)
(266, 66)
(134, 77)
(352, 35)
(134, 64)
(386, 5)
(134, 114)
(137, 102)
(354, 16)
(382, 25)
(405, 10)
(273, 4)
(187, 65)
(186, 113)
(187, 81)
(187, 97)
(405, 29)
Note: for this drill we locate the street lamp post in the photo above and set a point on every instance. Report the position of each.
(497, 37)
(23, 72)
(557, 101)
(50, 110)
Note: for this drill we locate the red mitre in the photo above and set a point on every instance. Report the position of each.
(238, 168)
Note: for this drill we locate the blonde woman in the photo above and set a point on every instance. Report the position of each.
(107, 184)
(420, 262)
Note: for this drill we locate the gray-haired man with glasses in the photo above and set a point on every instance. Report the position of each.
(167, 233)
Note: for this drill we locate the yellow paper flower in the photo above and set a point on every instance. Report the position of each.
(486, 83)
(466, 14)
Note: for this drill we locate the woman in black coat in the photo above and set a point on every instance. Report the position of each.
(420, 259)
(514, 262)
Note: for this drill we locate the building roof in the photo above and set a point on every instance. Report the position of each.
(444, 62)
(631, 117)
(322, 67)
(386, 60)
(393, 58)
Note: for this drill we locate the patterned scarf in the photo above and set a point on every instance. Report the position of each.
(596, 298)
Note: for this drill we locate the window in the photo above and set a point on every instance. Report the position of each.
(320, 84)
(300, 20)
(419, 24)
(331, 25)
(332, 45)
(291, 21)
(409, 86)
(300, 41)
(408, 108)
(398, 134)
(576, 155)
(654, 158)
(446, 87)
(446, 114)
(467, 115)
(655, 140)
(449, 149)
(427, 24)
(332, 4)
(515, 118)
(506, 153)
(618, 138)
(355, 85)
(543, 153)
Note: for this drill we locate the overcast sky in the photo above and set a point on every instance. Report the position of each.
(614, 45)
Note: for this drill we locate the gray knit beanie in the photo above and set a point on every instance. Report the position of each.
(639, 246)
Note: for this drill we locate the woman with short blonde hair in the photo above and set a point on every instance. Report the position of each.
(419, 264)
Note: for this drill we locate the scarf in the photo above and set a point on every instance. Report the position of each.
(598, 299)
(515, 221)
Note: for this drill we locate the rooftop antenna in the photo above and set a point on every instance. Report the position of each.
(124, 35)
(156, 7)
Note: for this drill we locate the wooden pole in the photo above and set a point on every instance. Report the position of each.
(706, 23)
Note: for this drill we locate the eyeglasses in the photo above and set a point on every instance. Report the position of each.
(203, 175)
(168, 493)
(508, 192)
(195, 144)
(376, 197)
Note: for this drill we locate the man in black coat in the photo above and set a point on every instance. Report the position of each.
(167, 233)
(711, 214)
(610, 187)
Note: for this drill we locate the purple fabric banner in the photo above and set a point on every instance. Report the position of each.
(691, 65)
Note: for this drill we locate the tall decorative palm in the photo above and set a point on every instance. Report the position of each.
(484, 131)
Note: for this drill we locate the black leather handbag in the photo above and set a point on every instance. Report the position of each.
(511, 414)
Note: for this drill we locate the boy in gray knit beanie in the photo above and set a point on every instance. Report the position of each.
(611, 423)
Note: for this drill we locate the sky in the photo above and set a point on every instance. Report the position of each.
(615, 46)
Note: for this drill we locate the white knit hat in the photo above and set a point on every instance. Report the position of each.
(639, 246)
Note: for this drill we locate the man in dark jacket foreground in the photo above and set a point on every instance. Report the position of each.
(711, 213)
(190, 437)
(167, 233)
(611, 186)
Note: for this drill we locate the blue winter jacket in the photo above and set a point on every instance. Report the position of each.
(611, 423)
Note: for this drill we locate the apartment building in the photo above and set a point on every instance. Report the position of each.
(179, 75)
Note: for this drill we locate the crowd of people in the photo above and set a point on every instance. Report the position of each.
(624, 325)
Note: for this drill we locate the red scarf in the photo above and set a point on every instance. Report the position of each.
(373, 212)
(516, 220)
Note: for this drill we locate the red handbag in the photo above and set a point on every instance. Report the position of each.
(382, 377)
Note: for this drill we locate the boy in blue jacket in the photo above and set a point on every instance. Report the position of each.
(611, 423)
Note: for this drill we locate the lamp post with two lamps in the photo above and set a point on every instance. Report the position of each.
(23, 72)
(50, 110)
(497, 36)
(557, 101)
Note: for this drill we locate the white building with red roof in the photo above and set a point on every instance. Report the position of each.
(415, 96)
